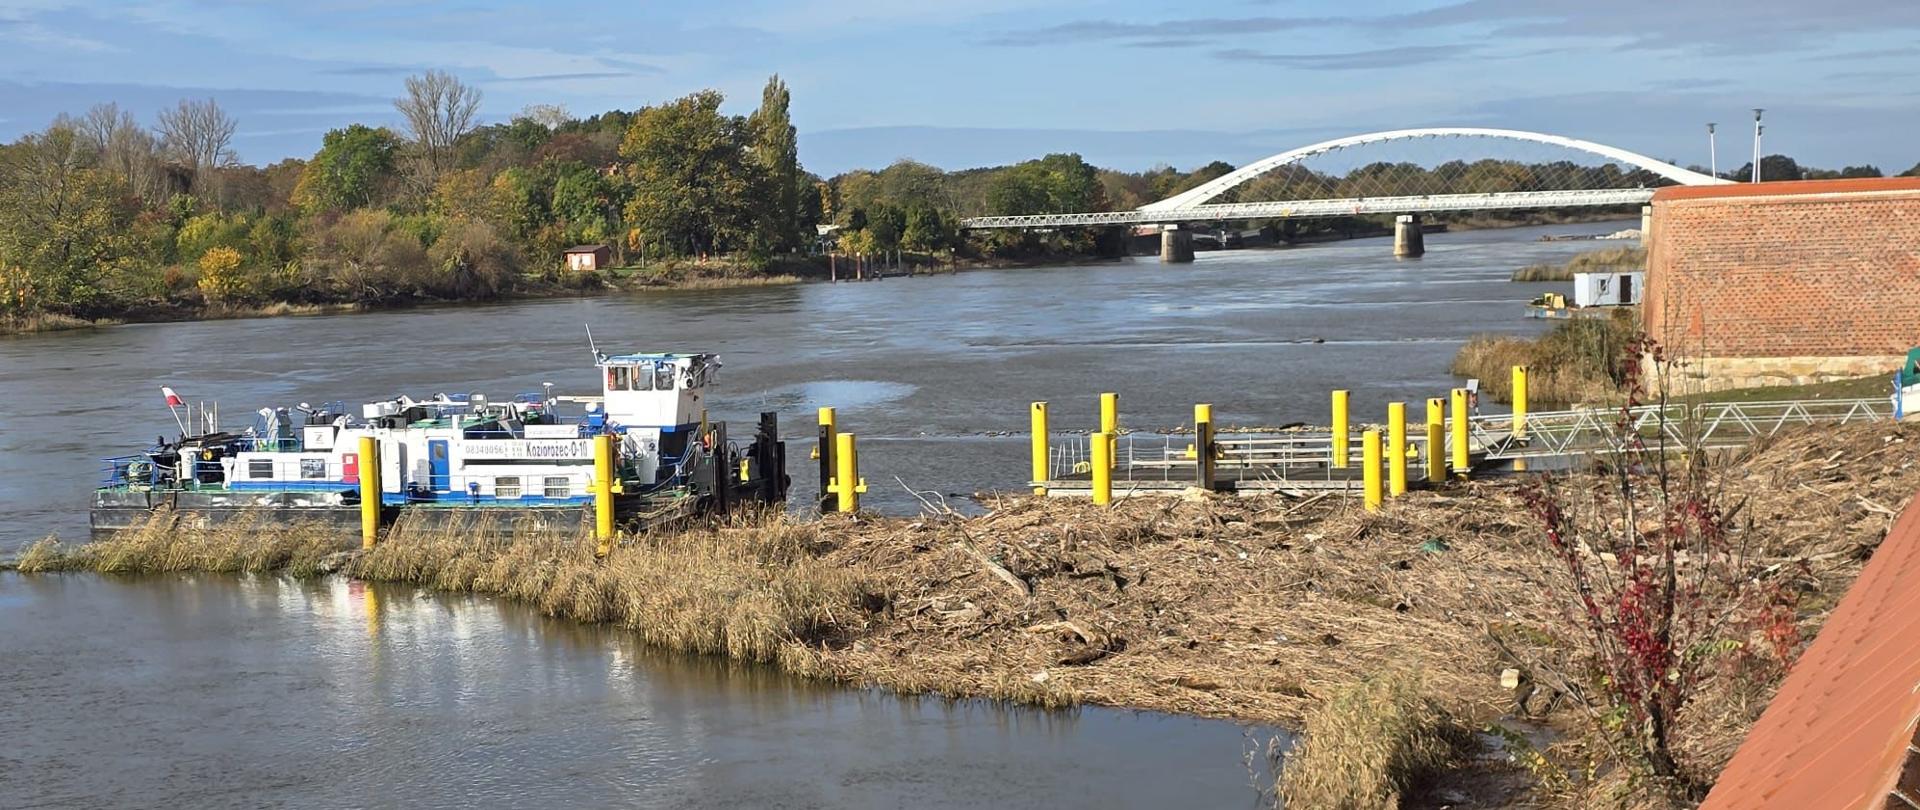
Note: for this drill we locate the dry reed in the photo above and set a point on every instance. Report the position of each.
(1370, 746)
(1607, 260)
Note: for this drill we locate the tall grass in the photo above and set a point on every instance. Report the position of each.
(1577, 361)
(1370, 747)
(1606, 260)
(172, 543)
(748, 590)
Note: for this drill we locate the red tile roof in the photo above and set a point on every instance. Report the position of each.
(1841, 731)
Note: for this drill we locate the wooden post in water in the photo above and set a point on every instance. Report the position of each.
(369, 492)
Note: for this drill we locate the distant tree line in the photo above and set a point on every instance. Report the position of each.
(101, 215)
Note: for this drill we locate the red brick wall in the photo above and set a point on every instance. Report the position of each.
(1815, 268)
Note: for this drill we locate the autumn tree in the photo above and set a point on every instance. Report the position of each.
(693, 182)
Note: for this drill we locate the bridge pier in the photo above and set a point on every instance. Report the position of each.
(1176, 245)
(1409, 241)
(1646, 225)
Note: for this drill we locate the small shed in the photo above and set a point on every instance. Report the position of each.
(582, 258)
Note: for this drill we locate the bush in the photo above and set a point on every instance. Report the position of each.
(223, 279)
(472, 261)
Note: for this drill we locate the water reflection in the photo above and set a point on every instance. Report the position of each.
(213, 691)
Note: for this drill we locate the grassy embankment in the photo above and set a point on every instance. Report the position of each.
(1607, 260)
(1265, 610)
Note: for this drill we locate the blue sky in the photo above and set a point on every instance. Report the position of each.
(971, 82)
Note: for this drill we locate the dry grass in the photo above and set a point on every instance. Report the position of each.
(170, 543)
(1371, 745)
(1572, 363)
(1606, 260)
(751, 592)
(45, 322)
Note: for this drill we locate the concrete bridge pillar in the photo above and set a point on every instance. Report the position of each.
(1176, 245)
(1408, 240)
(1646, 225)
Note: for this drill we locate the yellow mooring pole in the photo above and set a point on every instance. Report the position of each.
(847, 482)
(1039, 420)
(1459, 425)
(1340, 428)
(1102, 467)
(1370, 474)
(1519, 402)
(1436, 440)
(1397, 449)
(1110, 425)
(369, 491)
(603, 492)
(1203, 458)
(823, 451)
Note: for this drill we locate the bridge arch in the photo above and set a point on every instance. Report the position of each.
(1209, 190)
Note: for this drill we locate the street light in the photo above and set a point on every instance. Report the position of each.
(1756, 142)
(1713, 159)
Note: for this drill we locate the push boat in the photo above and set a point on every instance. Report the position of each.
(528, 461)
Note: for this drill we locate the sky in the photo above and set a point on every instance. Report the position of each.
(962, 83)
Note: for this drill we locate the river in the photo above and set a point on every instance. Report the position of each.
(219, 691)
(214, 691)
(922, 369)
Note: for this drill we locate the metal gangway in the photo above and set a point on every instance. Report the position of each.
(1298, 461)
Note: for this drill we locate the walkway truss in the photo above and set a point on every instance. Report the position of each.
(1295, 461)
(1317, 194)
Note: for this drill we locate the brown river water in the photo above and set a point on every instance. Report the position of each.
(228, 692)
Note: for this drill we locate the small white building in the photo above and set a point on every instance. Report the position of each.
(1608, 289)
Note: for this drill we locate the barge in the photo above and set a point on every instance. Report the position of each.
(529, 460)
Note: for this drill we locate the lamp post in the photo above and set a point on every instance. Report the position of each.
(1713, 159)
(1756, 142)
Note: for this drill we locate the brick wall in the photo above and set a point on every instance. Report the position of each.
(1787, 282)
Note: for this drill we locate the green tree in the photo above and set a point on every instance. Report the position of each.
(586, 206)
(66, 225)
(928, 230)
(1060, 183)
(776, 155)
(353, 169)
(692, 180)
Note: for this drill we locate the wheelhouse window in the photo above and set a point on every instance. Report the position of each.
(313, 469)
(617, 378)
(559, 486)
(260, 469)
(506, 486)
(642, 379)
(663, 377)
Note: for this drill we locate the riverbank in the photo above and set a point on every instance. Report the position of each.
(1258, 610)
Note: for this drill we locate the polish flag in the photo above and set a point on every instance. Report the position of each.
(173, 399)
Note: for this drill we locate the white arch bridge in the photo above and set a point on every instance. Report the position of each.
(1301, 191)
